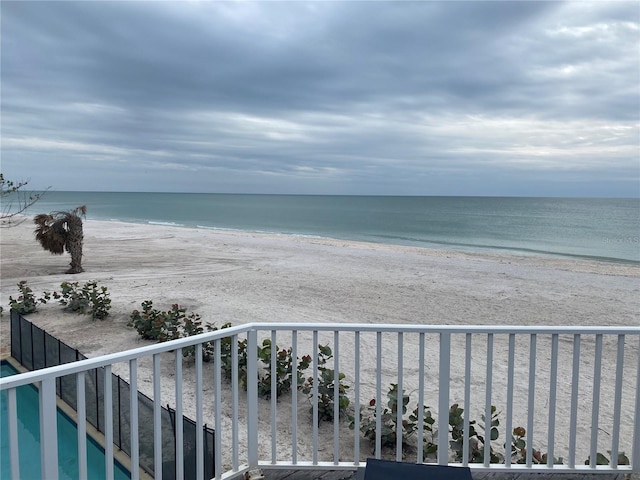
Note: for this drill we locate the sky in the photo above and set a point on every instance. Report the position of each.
(335, 97)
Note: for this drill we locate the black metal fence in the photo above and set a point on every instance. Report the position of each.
(34, 349)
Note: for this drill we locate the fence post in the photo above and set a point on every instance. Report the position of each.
(252, 398)
(443, 398)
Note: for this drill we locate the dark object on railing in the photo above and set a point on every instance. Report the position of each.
(389, 470)
(35, 349)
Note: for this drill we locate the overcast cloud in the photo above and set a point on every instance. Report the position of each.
(420, 98)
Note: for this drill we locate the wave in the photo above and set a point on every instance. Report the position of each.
(265, 232)
(165, 224)
(522, 250)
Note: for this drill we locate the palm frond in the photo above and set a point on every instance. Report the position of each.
(54, 231)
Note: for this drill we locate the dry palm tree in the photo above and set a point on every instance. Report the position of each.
(60, 231)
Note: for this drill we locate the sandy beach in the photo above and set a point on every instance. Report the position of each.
(241, 277)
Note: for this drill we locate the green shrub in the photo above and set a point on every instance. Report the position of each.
(388, 420)
(326, 379)
(429, 447)
(153, 324)
(26, 302)
(602, 459)
(284, 370)
(89, 299)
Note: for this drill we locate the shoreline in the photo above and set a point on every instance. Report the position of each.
(481, 250)
(241, 278)
(589, 228)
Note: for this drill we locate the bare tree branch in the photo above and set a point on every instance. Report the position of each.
(15, 201)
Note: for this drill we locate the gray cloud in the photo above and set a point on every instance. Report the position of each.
(323, 97)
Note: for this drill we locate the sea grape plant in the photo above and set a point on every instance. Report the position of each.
(326, 378)
(284, 375)
(27, 302)
(388, 420)
(89, 299)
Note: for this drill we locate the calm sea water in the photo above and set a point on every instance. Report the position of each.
(605, 229)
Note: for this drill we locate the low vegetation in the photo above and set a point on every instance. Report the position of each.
(291, 373)
(90, 299)
(27, 302)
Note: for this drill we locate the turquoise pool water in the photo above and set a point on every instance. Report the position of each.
(29, 439)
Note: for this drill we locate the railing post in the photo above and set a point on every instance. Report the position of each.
(487, 403)
(199, 421)
(108, 423)
(157, 418)
(378, 394)
(636, 429)
(12, 414)
(532, 395)
(48, 429)
(443, 398)
(179, 428)
(573, 415)
(467, 397)
(133, 420)
(595, 409)
(252, 398)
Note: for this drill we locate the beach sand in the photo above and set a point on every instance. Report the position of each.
(242, 277)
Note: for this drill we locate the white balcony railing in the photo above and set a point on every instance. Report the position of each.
(573, 389)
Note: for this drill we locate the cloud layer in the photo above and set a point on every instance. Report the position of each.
(423, 98)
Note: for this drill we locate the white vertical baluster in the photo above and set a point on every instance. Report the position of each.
(509, 418)
(400, 400)
(635, 455)
(252, 397)
(532, 396)
(81, 409)
(336, 398)
(595, 412)
(179, 420)
(234, 402)
(467, 399)
(553, 382)
(199, 421)
(294, 401)
(378, 394)
(274, 396)
(48, 429)
(217, 395)
(443, 398)
(314, 395)
(487, 402)
(573, 415)
(12, 413)
(108, 423)
(157, 419)
(615, 436)
(133, 420)
(420, 397)
(356, 393)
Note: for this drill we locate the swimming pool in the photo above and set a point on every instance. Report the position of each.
(29, 440)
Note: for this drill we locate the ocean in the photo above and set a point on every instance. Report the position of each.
(593, 228)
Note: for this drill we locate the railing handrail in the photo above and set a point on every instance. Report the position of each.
(109, 359)
(412, 328)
